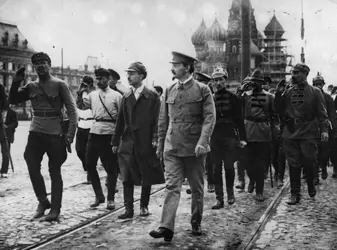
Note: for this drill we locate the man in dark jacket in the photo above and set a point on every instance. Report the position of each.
(9, 122)
(303, 108)
(229, 131)
(325, 149)
(136, 130)
(48, 96)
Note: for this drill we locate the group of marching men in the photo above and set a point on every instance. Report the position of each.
(196, 124)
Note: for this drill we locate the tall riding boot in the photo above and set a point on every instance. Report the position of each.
(295, 185)
(310, 182)
(219, 197)
(128, 200)
(144, 200)
(230, 176)
(324, 172)
(241, 176)
(56, 195)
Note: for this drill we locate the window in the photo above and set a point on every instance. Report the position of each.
(234, 49)
(10, 66)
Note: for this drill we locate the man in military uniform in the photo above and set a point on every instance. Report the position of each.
(229, 131)
(48, 95)
(325, 149)
(302, 107)
(105, 104)
(138, 123)
(258, 111)
(85, 122)
(186, 122)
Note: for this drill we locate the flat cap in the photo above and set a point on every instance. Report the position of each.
(101, 72)
(137, 67)
(182, 58)
(40, 56)
(201, 77)
(114, 74)
(301, 67)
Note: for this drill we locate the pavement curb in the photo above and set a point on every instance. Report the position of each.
(247, 242)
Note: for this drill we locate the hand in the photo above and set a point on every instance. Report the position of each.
(159, 153)
(114, 149)
(281, 86)
(242, 144)
(70, 139)
(19, 75)
(200, 150)
(154, 144)
(324, 137)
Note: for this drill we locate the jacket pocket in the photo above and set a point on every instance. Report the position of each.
(195, 129)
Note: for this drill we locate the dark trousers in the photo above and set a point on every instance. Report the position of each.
(333, 153)
(5, 157)
(128, 188)
(325, 152)
(99, 147)
(240, 168)
(209, 169)
(54, 146)
(278, 159)
(229, 148)
(300, 152)
(82, 136)
(256, 156)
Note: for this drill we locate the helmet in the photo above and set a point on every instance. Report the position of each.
(318, 79)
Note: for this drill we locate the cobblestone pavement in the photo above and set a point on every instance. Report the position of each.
(312, 224)
(223, 229)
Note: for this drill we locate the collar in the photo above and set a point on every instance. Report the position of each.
(138, 90)
(187, 80)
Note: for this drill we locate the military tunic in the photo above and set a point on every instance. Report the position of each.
(186, 119)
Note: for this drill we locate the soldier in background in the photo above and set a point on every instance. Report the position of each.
(302, 106)
(229, 132)
(186, 122)
(325, 149)
(85, 122)
(48, 95)
(105, 104)
(258, 111)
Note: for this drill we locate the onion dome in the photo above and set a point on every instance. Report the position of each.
(216, 32)
(198, 37)
(274, 26)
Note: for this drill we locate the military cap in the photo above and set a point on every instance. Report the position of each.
(101, 72)
(202, 77)
(220, 72)
(318, 78)
(182, 58)
(114, 74)
(137, 67)
(87, 79)
(301, 67)
(40, 56)
(257, 76)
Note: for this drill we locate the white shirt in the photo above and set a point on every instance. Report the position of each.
(112, 100)
(137, 91)
(85, 118)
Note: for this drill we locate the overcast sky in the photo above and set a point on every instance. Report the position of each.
(119, 32)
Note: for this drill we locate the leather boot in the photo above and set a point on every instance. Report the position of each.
(219, 197)
(53, 214)
(241, 185)
(128, 189)
(162, 232)
(230, 177)
(311, 188)
(88, 178)
(324, 173)
(128, 213)
(98, 200)
(219, 204)
(295, 185)
(41, 208)
(294, 199)
(144, 211)
(251, 187)
(334, 175)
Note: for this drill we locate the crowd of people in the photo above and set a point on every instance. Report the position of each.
(196, 127)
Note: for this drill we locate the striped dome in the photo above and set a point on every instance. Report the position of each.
(216, 32)
(198, 37)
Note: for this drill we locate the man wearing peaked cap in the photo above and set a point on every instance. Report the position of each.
(47, 135)
(201, 77)
(186, 122)
(113, 80)
(258, 111)
(303, 108)
(137, 67)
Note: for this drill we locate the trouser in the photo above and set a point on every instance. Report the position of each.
(81, 145)
(209, 169)
(176, 169)
(256, 158)
(300, 152)
(5, 157)
(333, 154)
(325, 151)
(278, 159)
(128, 188)
(228, 157)
(240, 169)
(99, 147)
(54, 146)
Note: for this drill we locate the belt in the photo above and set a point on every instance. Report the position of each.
(296, 120)
(104, 120)
(86, 119)
(257, 120)
(46, 113)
